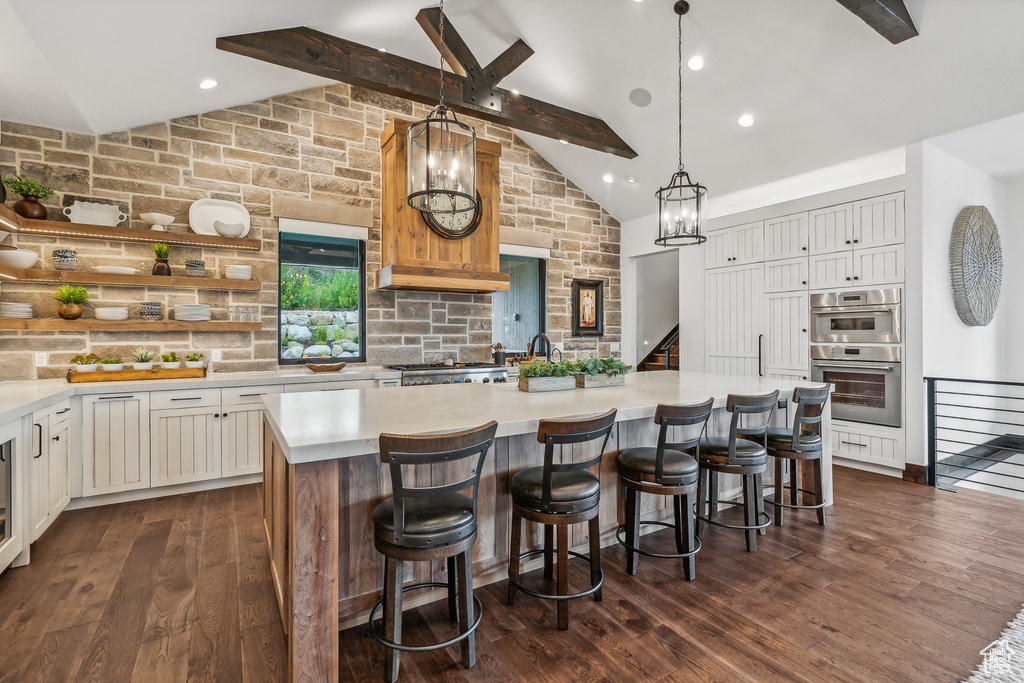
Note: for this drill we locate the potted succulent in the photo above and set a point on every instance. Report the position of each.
(143, 359)
(547, 375)
(601, 372)
(86, 363)
(31, 191)
(194, 360)
(71, 300)
(161, 251)
(112, 364)
(171, 361)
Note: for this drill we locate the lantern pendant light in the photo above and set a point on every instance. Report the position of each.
(442, 157)
(682, 204)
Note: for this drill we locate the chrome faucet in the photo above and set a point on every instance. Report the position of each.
(545, 347)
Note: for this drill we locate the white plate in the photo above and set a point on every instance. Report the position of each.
(111, 316)
(95, 213)
(115, 270)
(204, 212)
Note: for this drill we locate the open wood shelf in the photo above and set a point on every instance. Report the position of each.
(12, 222)
(13, 273)
(58, 325)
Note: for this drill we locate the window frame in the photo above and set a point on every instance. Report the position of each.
(542, 317)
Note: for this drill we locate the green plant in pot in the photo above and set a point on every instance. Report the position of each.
(171, 360)
(86, 363)
(194, 360)
(600, 372)
(31, 191)
(71, 300)
(143, 359)
(161, 251)
(546, 375)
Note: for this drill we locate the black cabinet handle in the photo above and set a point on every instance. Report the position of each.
(848, 279)
(40, 428)
(804, 282)
(57, 438)
(856, 277)
(188, 398)
(847, 241)
(803, 248)
(223, 414)
(115, 398)
(61, 412)
(760, 339)
(856, 241)
(803, 330)
(216, 415)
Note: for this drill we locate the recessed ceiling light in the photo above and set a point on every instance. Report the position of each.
(746, 121)
(696, 63)
(631, 179)
(563, 141)
(638, 0)
(607, 177)
(207, 84)
(640, 97)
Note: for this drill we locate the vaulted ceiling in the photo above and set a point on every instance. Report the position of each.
(823, 87)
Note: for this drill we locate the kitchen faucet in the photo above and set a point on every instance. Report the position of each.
(545, 347)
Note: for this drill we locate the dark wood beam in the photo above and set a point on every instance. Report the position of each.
(310, 51)
(889, 17)
(456, 53)
(508, 61)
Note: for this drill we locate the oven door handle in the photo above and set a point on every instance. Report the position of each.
(854, 366)
(859, 311)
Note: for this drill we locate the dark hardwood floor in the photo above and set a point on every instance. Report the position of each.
(904, 583)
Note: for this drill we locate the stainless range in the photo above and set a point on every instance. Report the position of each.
(459, 373)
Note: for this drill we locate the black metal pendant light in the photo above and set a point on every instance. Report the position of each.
(682, 204)
(442, 157)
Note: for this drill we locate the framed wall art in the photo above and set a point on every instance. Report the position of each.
(587, 308)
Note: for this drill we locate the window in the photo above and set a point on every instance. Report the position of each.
(322, 299)
(519, 314)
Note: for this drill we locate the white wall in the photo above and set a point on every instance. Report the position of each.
(657, 311)
(1011, 302)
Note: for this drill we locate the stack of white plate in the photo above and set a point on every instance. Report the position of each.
(111, 312)
(192, 312)
(238, 272)
(9, 309)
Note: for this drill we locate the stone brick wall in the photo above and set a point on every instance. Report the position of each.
(320, 145)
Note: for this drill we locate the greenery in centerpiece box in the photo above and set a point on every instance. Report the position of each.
(141, 355)
(546, 375)
(601, 372)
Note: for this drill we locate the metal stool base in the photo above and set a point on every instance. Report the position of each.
(760, 525)
(423, 648)
(792, 506)
(554, 596)
(648, 553)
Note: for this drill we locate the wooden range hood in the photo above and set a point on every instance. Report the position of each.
(413, 257)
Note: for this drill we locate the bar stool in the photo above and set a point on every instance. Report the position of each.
(665, 471)
(800, 443)
(424, 523)
(556, 495)
(741, 456)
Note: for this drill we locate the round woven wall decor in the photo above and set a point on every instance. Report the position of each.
(975, 265)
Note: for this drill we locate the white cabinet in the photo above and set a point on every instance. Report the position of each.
(786, 276)
(858, 267)
(866, 443)
(735, 246)
(787, 345)
(242, 430)
(831, 270)
(186, 445)
(734, 301)
(115, 442)
(50, 468)
(785, 237)
(878, 221)
(831, 229)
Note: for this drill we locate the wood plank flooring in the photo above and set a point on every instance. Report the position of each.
(904, 583)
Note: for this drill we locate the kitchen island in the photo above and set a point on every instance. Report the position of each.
(322, 478)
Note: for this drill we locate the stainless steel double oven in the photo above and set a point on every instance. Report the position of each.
(855, 338)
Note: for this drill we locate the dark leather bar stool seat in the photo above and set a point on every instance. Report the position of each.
(739, 454)
(430, 522)
(667, 470)
(800, 443)
(557, 495)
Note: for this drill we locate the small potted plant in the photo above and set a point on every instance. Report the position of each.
(194, 360)
(601, 372)
(112, 364)
(71, 300)
(143, 359)
(31, 191)
(86, 363)
(546, 375)
(161, 251)
(171, 361)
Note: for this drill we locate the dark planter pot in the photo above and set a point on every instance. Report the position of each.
(29, 207)
(161, 267)
(69, 311)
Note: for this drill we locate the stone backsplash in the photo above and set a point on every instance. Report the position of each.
(320, 145)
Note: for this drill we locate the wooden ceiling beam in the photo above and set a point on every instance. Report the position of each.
(305, 49)
(508, 61)
(890, 18)
(456, 53)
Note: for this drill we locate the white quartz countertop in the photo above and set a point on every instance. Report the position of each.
(21, 398)
(337, 424)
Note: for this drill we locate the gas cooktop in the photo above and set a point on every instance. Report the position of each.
(419, 367)
(417, 374)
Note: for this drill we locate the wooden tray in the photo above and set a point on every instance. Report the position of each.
(125, 375)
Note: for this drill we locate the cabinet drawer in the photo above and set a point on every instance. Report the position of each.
(240, 396)
(882, 447)
(184, 398)
(59, 411)
(330, 386)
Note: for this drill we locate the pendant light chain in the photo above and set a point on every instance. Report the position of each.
(441, 50)
(680, 45)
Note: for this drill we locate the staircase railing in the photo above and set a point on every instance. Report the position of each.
(665, 346)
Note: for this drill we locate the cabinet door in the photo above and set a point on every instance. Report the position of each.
(242, 441)
(831, 229)
(718, 250)
(748, 243)
(60, 467)
(733, 314)
(186, 445)
(831, 270)
(867, 445)
(878, 221)
(786, 339)
(115, 443)
(39, 477)
(785, 237)
(786, 276)
(879, 266)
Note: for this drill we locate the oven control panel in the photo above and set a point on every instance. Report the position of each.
(885, 354)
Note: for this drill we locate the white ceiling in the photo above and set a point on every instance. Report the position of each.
(822, 86)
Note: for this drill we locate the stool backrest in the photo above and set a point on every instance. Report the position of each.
(757, 415)
(397, 450)
(561, 432)
(691, 418)
(809, 404)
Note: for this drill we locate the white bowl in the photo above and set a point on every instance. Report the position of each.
(22, 258)
(157, 218)
(110, 367)
(229, 229)
(111, 313)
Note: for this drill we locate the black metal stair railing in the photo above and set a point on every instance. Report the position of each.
(976, 435)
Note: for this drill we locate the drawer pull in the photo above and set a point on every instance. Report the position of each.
(57, 438)
(115, 398)
(61, 412)
(188, 398)
(251, 395)
(853, 443)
